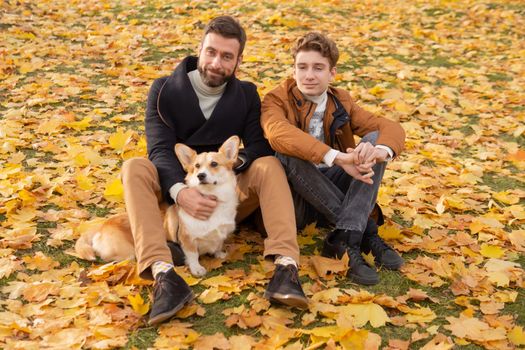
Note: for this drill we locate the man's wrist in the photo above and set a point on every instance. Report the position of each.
(175, 190)
(388, 151)
(330, 156)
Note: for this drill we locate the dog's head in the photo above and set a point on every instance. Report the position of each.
(208, 168)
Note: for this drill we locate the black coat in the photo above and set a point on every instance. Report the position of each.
(173, 115)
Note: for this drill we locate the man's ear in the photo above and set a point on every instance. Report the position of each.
(230, 148)
(333, 72)
(199, 49)
(185, 154)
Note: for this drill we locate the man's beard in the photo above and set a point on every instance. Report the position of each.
(217, 80)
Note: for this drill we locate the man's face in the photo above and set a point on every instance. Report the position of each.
(218, 59)
(312, 72)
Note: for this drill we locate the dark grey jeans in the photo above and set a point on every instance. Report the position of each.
(330, 194)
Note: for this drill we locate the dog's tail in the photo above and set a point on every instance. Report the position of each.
(84, 246)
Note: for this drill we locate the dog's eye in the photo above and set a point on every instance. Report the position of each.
(197, 165)
(214, 164)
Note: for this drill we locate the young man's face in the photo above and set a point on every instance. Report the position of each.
(312, 72)
(218, 59)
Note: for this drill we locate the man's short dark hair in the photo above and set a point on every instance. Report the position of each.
(227, 27)
(315, 41)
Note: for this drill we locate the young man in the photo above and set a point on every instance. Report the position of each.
(202, 104)
(312, 125)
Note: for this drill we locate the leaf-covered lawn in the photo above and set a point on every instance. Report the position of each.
(74, 77)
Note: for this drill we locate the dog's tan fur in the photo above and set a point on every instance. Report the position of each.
(113, 241)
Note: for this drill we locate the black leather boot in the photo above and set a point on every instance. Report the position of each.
(335, 246)
(384, 255)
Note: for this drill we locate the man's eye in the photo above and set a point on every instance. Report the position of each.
(214, 164)
(197, 165)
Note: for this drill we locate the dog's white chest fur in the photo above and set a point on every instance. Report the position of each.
(210, 234)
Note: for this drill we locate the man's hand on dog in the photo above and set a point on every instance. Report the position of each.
(197, 205)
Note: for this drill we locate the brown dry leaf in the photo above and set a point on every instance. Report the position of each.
(397, 344)
(491, 307)
(9, 265)
(245, 319)
(416, 336)
(324, 265)
(216, 341)
(416, 295)
(241, 342)
(211, 295)
(190, 310)
(37, 292)
(440, 342)
(40, 262)
(517, 238)
(474, 329)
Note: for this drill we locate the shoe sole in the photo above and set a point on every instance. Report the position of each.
(169, 314)
(287, 299)
(363, 281)
(395, 267)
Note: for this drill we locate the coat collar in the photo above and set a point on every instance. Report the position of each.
(299, 99)
(178, 105)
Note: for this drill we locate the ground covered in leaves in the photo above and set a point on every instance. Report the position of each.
(74, 76)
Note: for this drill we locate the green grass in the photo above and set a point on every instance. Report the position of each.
(97, 210)
(500, 183)
(493, 77)
(142, 338)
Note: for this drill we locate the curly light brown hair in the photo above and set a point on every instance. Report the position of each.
(315, 41)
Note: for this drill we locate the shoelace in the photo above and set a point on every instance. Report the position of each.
(377, 243)
(160, 284)
(291, 270)
(355, 255)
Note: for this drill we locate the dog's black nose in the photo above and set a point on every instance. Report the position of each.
(201, 176)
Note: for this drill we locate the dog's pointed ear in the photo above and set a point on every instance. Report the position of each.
(230, 148)
(185, 155)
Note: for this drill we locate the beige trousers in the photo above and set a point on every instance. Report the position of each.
(263, 184)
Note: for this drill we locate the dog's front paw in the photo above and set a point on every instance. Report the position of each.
(197, 270)
(220, 254)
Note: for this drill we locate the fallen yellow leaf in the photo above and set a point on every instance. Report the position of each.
(137, 303)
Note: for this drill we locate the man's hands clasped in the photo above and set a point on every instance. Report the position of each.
(358, 162)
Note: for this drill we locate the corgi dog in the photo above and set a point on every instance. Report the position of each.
(211, 173)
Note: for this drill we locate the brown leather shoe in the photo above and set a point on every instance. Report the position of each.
(170, 294)
(285, 288)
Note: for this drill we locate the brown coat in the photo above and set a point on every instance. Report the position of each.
(286, 115)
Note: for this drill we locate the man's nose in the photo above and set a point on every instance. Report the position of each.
(309, 74)
(216, 62)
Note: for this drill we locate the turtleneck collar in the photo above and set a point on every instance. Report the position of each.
(320, 100)
(200, 87)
